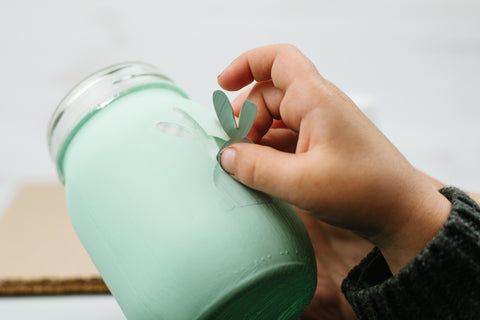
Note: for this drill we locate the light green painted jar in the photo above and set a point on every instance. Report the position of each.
(172, 234)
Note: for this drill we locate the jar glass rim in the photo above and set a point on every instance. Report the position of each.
(94, 93)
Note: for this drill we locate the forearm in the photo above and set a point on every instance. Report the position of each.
(422, 226)
(441, 282)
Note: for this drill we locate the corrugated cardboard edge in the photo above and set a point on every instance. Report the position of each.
(52, 287)
(40, 253)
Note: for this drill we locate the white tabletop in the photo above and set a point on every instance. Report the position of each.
(94, 307)
(416, 63)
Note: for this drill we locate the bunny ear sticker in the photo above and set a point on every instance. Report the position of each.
(225, 115)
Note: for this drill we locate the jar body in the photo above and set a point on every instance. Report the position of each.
(173, 236)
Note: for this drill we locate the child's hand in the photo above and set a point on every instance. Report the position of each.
(326, 157)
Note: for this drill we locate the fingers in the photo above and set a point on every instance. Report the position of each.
(265, 96)
(265, 169)
(238, 101)
(288, 85)
(277, 134)
(278, 124)
(282, 63)
(281, 139)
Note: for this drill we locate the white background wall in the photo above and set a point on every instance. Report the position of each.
(417, 61)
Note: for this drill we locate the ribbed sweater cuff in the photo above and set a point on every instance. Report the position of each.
(441, 282)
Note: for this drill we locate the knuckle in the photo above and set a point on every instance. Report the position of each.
(252, 175)
(287, 47)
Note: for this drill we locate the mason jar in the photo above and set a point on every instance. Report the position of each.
(171, 233)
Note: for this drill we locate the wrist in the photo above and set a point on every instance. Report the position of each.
(475, 197)
(421, 225)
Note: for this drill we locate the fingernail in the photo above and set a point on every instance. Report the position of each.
(226, 159)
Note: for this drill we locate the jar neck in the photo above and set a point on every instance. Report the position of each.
(96, 92)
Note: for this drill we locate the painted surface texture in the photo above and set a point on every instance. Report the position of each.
(173, 235)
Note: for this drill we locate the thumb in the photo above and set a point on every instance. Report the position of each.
(265, 169)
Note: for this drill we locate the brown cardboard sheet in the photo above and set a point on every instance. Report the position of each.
(39, 250)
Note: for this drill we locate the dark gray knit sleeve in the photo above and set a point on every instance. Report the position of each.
(441, 282)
